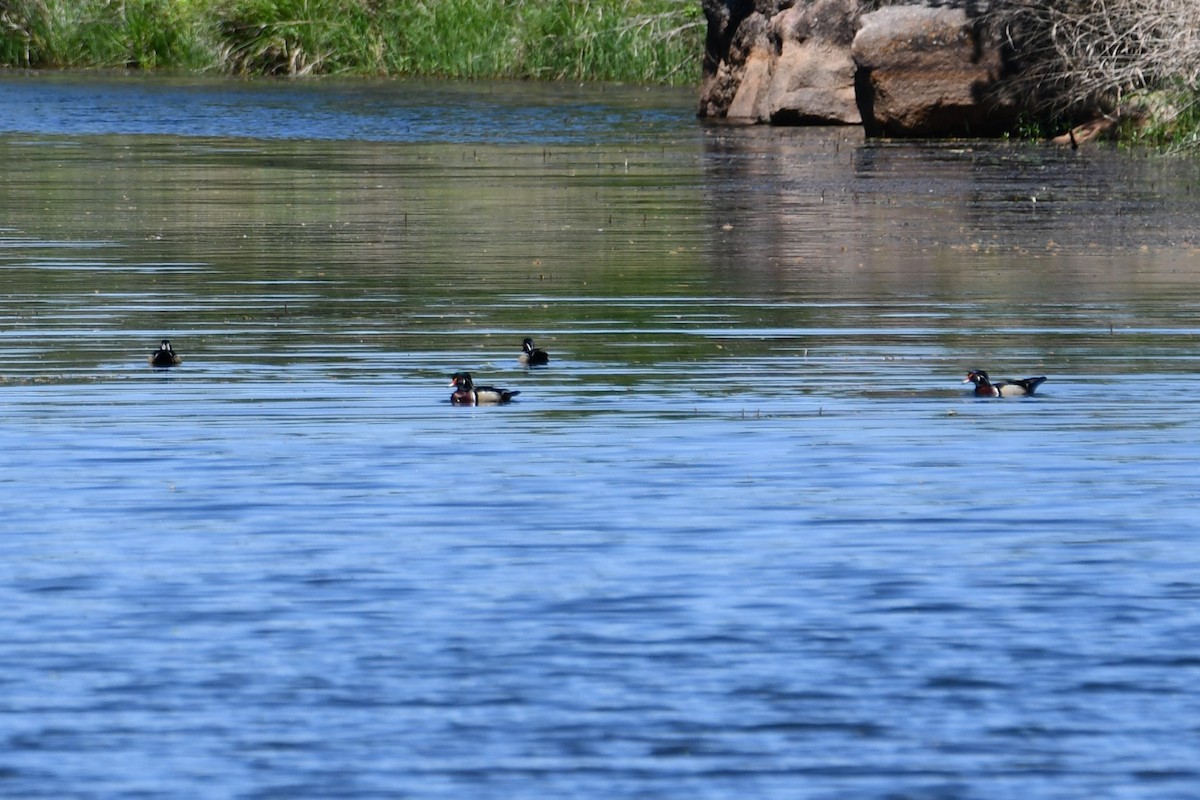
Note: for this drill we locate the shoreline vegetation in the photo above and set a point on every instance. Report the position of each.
(1132, 67)
(643, 41)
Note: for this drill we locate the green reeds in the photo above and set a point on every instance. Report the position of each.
(100, 34)
(649, 41)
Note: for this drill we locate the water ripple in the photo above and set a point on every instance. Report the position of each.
(747, 534)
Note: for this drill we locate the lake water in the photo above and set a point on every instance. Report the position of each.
(748, 534)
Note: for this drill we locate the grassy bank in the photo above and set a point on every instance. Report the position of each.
(648, 41)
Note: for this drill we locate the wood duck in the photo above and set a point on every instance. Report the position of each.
(164, 356)
(532, 356)
(466, 393)
(1009, 388)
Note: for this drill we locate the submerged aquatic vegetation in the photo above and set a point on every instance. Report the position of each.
(653, 41)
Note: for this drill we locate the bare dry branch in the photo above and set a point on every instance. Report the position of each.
(1075, 55)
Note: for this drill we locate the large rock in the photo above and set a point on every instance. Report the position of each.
(731, 25)
(788, 65)
(899, 71)
(749, 102)
(813, 84)
(813, 74)
(924, 73)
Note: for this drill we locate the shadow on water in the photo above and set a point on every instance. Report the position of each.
(748, 532)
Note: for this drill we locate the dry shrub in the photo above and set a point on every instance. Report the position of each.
(1080, 57)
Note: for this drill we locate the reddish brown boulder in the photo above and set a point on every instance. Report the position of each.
(925, 73)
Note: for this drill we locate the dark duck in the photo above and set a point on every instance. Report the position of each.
(532, 356)
(466, 393)
(165, 356)
(1007, 388)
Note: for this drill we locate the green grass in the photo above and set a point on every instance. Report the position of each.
(644, 41)
(1167, 119)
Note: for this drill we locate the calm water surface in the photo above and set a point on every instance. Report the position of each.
(747, 535)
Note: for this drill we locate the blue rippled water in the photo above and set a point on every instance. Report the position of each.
(747, 535)
(481, 112)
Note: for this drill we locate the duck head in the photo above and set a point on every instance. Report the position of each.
(977, 377)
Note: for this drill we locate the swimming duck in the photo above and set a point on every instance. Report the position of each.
(1010, 388)
(164, 356)
(532, 356)
(466, 393)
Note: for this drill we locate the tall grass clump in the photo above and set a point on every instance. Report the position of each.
(144, 34)
(623, 40)
(653, 41)
(657, 41)
(633, 41)
(299, 37)
(1133, 59)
